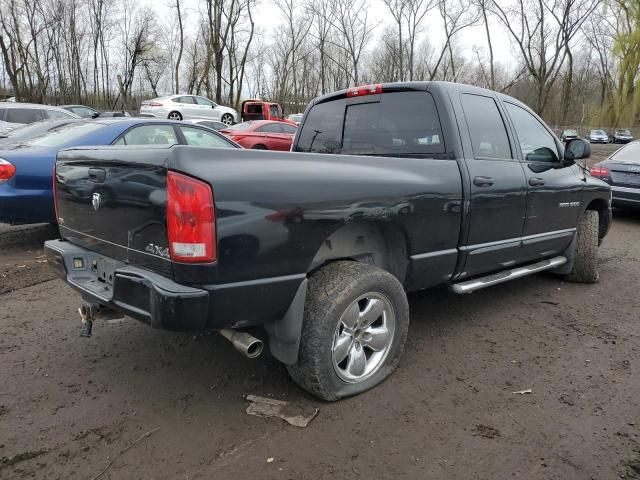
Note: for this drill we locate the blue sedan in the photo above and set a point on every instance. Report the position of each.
(26, 168)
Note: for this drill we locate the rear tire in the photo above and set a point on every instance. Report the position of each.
(175, 116)
(585, 262)
(259, 147)
(373, 302)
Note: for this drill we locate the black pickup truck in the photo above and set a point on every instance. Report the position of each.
(389, 188)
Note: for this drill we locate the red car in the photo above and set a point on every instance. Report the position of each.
(262, 134)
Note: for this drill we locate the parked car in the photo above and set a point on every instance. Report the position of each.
(621, 170)
(31, 130)
(82, 111)
(185, 107)
(409, 185)
(569, 134)
(262, 134)
(598, 136)
(15, 114)
(26, 168)
(295, 118)
(261, 110)
(621, 135)
(212, 124)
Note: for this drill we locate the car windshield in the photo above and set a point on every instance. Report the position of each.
(570, 132)
(64, 135)
(628, 154)
(597, 132)
(241, 126)
(623, 132)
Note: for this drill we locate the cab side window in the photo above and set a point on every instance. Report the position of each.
(488, 134)
(536, 143)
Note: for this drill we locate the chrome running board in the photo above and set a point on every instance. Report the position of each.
(506, 275)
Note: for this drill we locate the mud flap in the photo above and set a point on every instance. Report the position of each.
(569, 254)
(284, 334)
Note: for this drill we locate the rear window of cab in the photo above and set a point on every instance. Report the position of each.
(393, 123)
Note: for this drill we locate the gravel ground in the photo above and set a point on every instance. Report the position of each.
(73, 407)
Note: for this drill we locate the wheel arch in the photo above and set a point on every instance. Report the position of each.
(381, 244)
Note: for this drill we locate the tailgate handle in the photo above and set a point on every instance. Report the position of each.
(97, 174)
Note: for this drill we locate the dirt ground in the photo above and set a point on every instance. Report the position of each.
(72, 407)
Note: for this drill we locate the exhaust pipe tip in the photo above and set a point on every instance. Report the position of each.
(245, 343)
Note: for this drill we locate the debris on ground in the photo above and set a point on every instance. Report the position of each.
(295, 415)
(523, 392)
(485, 431)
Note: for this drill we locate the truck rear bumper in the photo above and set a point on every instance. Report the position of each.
(135, 292)
(162, 303)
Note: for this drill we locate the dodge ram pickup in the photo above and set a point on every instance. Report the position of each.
(389, 188)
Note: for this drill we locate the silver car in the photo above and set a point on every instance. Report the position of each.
(188, 107)
(598, 136)
(15, 114)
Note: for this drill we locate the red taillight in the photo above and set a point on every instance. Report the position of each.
(365, 90)
(155, 104)
(7, 170)
(600, 172)
(191, 220)
(55, 195)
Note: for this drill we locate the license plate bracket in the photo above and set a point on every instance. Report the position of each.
(105, 270)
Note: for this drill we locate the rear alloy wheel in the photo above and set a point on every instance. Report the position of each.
(227, 119)
(355, 326)
(175, 116)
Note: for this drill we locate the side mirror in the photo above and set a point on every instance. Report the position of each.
(576, 149)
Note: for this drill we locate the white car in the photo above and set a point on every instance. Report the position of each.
(188, 107)
(15, 114)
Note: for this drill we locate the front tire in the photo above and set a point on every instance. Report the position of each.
(175, 116)
(259, 147)
(355, 327)
(227, 119)
(585, 262)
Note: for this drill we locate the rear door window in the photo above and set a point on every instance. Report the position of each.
(57, 114)
(201, 138)
(24, 115)
(487, 131)
(270, 128)
(400, 123)
(289, 129)
(151, 135)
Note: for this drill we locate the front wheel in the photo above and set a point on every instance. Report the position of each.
(355, 326)
(585, 261)
(227, 119)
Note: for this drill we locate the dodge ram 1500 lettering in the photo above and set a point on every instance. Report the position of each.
(390, 188)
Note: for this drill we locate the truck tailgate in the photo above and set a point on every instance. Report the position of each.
(116, 207)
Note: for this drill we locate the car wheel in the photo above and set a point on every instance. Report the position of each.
(355, 326)
(175, 116)
(585, 261)
(227, 119)
(259, 147)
